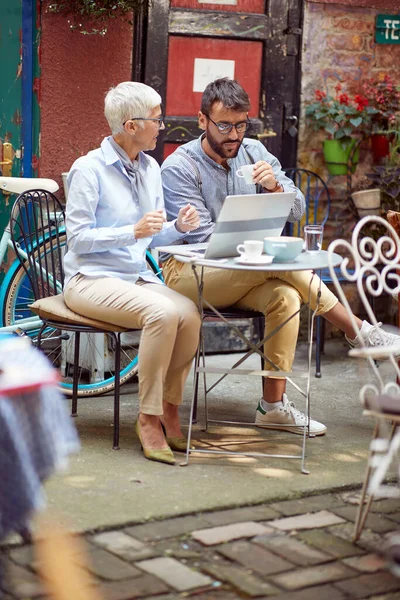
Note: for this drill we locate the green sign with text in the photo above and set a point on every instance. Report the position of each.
(387, 29)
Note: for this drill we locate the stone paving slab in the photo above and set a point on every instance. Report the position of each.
(323, 518)
(217, 535)
(254, 557)
(164, 560)
(290, 508)
(293, 550)
(375, 521)
(174, 573)
(310, 576)
(329, 543)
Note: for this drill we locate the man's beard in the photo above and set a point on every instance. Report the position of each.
(220, 147)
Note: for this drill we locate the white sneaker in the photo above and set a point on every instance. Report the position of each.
(288, 418)
(374, 336)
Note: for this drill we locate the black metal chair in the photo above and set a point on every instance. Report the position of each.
(318, 201)
(36, 218)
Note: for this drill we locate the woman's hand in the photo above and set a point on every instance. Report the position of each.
(150, 224)
(188, 219)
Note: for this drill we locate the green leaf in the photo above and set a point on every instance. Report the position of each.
(330, 128)
(340, 134)
(356, 121)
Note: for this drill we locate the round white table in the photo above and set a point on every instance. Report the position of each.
(304, 262)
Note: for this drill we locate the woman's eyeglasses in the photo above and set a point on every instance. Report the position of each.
(159, 120)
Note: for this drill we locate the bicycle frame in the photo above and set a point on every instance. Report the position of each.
(93, 361)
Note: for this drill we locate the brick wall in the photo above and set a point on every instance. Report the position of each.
(338, 46)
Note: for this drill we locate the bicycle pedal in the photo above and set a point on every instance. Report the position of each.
(21, 333)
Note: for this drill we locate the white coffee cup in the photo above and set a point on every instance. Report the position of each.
(250, 248)
(246, 172)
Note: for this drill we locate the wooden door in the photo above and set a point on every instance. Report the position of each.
(181, 45)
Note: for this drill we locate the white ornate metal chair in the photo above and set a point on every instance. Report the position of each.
(373, 265)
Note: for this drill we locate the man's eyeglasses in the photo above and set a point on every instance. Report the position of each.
(227, 127)
(159, 120)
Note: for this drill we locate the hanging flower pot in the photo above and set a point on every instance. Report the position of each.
(337, 154)
(367, 202)
(380, 146)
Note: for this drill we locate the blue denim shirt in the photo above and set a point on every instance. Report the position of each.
(101, 213)
(180, 183)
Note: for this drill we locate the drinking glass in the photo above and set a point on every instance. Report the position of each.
(313, 235)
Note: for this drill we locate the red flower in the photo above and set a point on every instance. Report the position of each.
(361, 101)
(319, 95)
(344, 99)
(338, 88)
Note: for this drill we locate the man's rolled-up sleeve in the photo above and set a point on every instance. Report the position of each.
(180, 188)
(299, 205)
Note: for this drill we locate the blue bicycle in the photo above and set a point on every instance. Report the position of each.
(96, 358)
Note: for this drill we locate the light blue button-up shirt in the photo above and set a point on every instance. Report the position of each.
(101, 212)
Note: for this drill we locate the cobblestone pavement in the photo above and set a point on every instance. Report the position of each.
(295, 550)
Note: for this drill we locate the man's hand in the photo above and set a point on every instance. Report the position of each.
(150, 224)
(263, 174)
(188, 219)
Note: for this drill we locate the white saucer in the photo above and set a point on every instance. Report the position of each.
(264, 259)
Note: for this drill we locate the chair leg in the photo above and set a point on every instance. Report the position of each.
(318, 345)
(260, 333)
(116, 390)
(196, 385)
(74, 411)
(362, 511)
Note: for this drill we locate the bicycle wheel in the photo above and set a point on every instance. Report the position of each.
(97, 350)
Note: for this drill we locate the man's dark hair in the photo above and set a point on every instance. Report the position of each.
(227, 91)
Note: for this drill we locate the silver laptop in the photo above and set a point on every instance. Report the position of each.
(248, 217)
(245, 217)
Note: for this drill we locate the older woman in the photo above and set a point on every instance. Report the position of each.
(115, 211)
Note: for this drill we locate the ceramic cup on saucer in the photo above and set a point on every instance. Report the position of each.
(250, 249)
(246, 173)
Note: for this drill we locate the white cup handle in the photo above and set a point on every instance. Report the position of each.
(240, 249)
(239, 173)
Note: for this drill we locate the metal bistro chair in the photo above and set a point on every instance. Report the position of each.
(381, 398)
(318, 201)
(35, 217)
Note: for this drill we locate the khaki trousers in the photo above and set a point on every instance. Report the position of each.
(170, 325)
(261, 291)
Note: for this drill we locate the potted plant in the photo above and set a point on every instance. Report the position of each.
(341, 116)
(366, 197)
(384, 95)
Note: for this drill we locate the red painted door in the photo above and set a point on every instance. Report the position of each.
(243, 39)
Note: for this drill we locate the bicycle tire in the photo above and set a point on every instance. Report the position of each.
(15, 297)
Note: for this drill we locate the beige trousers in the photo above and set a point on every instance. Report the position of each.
(170, 325)
(260, 291)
